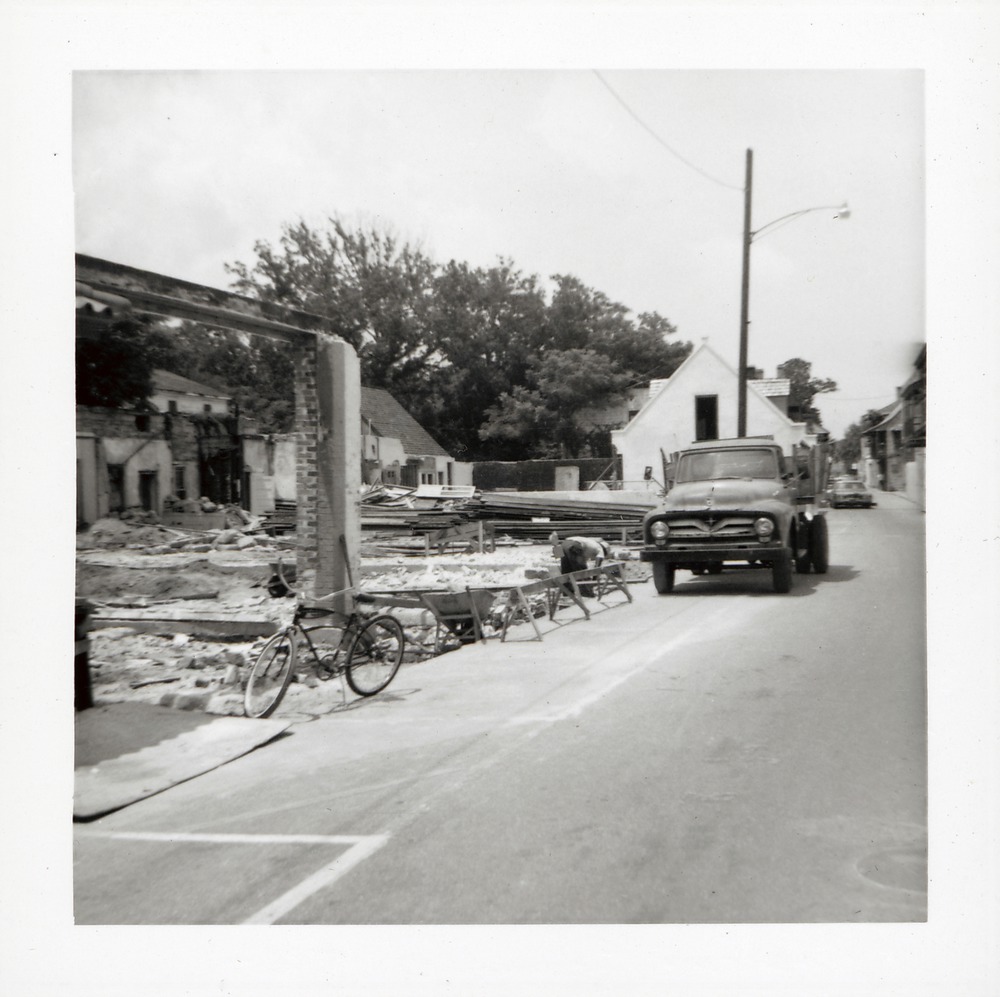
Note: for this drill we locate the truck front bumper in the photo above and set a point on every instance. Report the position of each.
(683, 554)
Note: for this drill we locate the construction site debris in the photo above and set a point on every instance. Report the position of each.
(199, 603)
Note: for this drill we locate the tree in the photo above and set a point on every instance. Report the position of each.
(114, 366)
(456, 344)
(374, 291)
(848, 449)
(485, 328)
(803, 389)
(581, 317)
(539, 418)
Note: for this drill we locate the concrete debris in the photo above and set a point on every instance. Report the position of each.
(222, 575)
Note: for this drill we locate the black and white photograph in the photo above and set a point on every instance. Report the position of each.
(505, 545)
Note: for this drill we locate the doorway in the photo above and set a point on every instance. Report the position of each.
(706, 417)
(116, 487)
(148, 491)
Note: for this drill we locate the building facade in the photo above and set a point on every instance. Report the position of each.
(894, 451)
(700, 402)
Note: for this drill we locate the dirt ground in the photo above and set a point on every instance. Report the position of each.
(148, 571)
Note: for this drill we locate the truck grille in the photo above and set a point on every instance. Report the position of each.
(712, 529)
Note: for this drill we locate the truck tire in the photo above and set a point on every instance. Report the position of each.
(803, 562)
(663, 577)
(819, 545)
(781, 575)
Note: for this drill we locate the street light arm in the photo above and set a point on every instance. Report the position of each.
(842, 212)
(748, 237)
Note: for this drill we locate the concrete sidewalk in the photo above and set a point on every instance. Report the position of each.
(128, 751)
(125, 751)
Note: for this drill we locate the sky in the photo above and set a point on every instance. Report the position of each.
(631, 180)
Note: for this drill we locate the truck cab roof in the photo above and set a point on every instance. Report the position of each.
(738, 441)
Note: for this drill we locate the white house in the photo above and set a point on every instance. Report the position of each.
(173, 393)
(700, 401)
(395, 450)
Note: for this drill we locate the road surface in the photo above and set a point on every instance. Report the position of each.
(718, 755)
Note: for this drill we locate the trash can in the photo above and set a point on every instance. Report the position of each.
(82, 697)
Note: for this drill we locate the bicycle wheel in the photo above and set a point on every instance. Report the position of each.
(269, 677)
(375, 655)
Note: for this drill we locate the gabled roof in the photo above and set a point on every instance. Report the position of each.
(165, 380)
(389, 419)
(768, 387)
(763, 389)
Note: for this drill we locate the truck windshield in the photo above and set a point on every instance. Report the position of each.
(727, 464)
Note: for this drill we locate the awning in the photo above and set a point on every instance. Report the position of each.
(102, 303)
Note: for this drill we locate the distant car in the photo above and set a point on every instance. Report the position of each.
(850, 493)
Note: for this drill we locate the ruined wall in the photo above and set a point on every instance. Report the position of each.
(328, 402)
(328, 463)
(118, 423)
(533, 475)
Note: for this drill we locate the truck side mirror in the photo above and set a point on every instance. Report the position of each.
(647, 475)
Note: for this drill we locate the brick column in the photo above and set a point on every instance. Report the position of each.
(328, 464)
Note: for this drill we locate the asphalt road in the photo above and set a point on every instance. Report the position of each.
(721, 754)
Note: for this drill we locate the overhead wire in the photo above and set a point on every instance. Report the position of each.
(669, 148)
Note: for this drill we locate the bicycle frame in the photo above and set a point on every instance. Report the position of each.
(347, 629)
(367, 652)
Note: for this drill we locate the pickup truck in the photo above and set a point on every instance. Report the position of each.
(740, 500)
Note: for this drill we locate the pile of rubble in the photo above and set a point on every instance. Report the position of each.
(180, 614)
(144, 532)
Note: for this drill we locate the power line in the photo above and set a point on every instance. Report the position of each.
(672, 151)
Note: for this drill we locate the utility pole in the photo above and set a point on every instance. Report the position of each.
(741, 421)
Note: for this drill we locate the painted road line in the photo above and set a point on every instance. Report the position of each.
(362, 849)
(359, 848)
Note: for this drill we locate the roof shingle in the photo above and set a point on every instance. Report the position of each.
(388, 418)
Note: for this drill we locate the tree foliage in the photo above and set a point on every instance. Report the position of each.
(848, 449)
(374, 292)
(114, 366)
(560, 383)
(485, 360)
(460, 346)
(804, 387)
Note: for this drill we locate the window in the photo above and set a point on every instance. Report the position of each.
(706, 417)
(142, 423)
(180, 481)
(172, 405)
(206, 408)
(727, 464)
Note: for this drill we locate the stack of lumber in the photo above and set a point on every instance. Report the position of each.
(526, 506)
(533, 517)
(614, 530)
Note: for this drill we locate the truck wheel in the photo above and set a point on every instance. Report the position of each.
(803, 563)
(663, 577)
(781, 575)
(819, 545)
(715, 568)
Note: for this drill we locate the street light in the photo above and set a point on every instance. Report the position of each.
(748, 237)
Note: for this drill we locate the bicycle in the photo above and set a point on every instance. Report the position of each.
(366, 650)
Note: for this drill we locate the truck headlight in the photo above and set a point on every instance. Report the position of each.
(763, 527)
(659, 530)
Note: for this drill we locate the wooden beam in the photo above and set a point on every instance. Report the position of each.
(170, 297)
